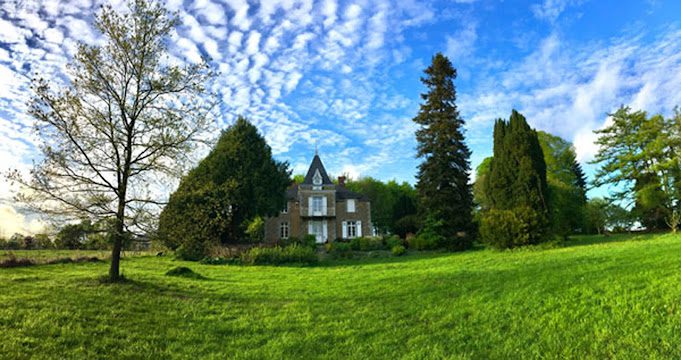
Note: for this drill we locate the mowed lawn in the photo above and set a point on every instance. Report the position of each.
(618, 297)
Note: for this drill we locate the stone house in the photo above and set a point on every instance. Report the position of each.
(321, 208)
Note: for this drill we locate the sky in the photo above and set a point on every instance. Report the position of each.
(344, 75)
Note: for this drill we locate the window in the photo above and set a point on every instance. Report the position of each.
(285, 209)
(351, 205)
(317, 204)
(351, 229)
(283, 230)
(317, 178)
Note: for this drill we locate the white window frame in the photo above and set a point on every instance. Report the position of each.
(284, 230)
(317, 205)
(285, 209)
(351, 229)
(351, 205)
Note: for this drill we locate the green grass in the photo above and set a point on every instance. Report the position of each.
(618, 297)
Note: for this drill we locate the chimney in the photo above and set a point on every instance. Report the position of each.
(341, 180)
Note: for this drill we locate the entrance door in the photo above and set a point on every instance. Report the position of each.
(318, 228)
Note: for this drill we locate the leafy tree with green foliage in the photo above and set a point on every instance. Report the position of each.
(255, 229)
(42, 241)
(517, 176)
(479, 187)
(126, 116)
(444, 192)
(567, 185)
(72, 236)
(603, 214)
(298, 178)
(214, 203)
(390, 201)
(639, 155)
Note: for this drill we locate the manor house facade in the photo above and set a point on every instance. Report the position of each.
(321, 208)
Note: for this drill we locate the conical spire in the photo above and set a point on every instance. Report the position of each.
(317, 166)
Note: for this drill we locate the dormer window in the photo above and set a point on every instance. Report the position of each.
(317, 178)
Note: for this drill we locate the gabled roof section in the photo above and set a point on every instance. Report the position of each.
(317, 165)
(342, 194)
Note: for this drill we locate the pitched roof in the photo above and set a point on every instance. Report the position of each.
(314, 166)
(344, 193)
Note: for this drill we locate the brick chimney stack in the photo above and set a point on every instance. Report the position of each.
(341, 180)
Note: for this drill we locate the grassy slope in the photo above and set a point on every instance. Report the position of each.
(600, 300)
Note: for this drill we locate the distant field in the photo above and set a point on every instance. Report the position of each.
(53, 254)
(616, 297)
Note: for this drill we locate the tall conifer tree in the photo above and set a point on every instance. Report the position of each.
(444, 191)
(517, 176)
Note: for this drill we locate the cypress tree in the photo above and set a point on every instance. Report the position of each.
(444, 192)
(517, 175)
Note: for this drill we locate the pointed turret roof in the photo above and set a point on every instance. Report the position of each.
(315, 166)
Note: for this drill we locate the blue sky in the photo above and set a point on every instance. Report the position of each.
(345, 74)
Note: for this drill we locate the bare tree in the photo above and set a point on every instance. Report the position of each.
(126, 118)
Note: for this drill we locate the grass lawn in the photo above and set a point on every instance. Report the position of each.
(616, 297)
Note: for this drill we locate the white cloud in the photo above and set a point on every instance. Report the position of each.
(461, 44)
(54, 36)
(252, 42)
(12, 222)
(550, 10)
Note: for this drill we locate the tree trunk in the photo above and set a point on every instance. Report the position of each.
(114, 270)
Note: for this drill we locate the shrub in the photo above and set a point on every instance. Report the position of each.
(291, 240)
(292, 254)
(407, 225)
(355, 244)
(197, 219)
(430, 237)
(503, 229)
(398, 250)
(370, 243)
(13, 261)
(185, 272)
(191, 251)
(338, 249)
(255, 230)
(392, 241)
(409, 240)
(307, 241)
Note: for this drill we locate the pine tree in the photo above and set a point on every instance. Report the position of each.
(443, 176)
